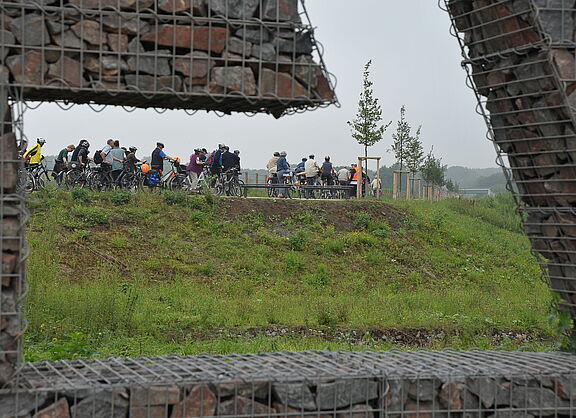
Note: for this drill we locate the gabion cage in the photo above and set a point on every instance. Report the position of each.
(222, 55)
(520, 57)
(308, 384)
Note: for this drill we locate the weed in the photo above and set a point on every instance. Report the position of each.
(297, 241)
(91, 215)
(120, 197)
(362, 220)
(335, 245)
(119, 242)
(175, 198)
(206, 269)
(295, 262)
(81, 195)
(360, 239)
(318, 279)
(198, 216)
(82, 234)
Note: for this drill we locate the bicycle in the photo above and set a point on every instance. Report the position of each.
(231, 184)
(32, 179)
(131, 179)
(100, 179)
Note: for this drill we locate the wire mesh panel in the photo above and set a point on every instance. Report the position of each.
(12, 249)
(308, 384)
(225, 55)
(521, 62)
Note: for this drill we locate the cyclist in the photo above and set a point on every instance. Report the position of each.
(272, 166)
(327, 172)
(300, 166)
(158, 157)
(215, 160)
(62, 160)
(33, 156)
(118, 156)
(106, 155)
(131, 160)
(237, 154)
(343, 176)
(228, 159)
(80, 154)
(282, 167)
(195, 167)
(311, 169)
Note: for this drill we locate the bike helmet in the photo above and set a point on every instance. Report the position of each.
(84, 143)
(311, 156)
(132, 149)
(283, 154)
(327, 158)
(159, 144)
(145, 168)
(41, 140)
(276, 154)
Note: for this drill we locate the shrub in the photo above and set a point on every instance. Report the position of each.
(318, 279)
(91, 216)
(362, 220)
(198, 216)
(362, 239)
(295, 263)
(336, 246)
(297, 241)
(81, 195)
(120, 197)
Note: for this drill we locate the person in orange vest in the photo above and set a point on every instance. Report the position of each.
(354, 175)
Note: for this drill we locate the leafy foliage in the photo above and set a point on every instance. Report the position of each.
(366, 128)
(414, 152)
(433, 171)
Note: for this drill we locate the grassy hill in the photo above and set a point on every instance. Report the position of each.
(121, 274)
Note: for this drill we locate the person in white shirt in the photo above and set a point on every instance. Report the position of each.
(343, 176)
(311, 169)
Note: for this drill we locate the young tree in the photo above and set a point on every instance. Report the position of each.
(366, 128)
(452, 186)
(402, 140)
(414, 153)
(432, 170)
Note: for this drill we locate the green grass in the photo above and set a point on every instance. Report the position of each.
(158, 274)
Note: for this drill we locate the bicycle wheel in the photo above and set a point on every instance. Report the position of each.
(27, 183)
(39, 183)
(177, 183)
(234, 188)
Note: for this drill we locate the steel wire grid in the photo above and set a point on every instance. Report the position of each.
(520, 60)
(311, 384)
(13, 216)
(141, 54)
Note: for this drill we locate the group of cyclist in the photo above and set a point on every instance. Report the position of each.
(309, 172)
(114, 163)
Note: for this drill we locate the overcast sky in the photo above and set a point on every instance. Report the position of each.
(416, 63)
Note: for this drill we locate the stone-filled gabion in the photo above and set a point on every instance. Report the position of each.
(227, 55)
(308, 384)
(521, 58)
(11, 249)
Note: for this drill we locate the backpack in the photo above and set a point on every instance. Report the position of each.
(211, 158)
(98, 157)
